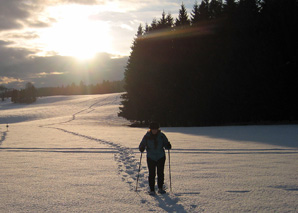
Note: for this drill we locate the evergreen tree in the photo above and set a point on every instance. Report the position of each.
(195, 15)
(162, 23)
(140, 31)
(204, 10)
(170, 20)
(15, 96)
(27, 95)
(147, 28)
(132, 104)
(182, 19)
(154, 25)
(215, 9)
(2, 92)
(30, 93)
(229, 7)
(237, 65)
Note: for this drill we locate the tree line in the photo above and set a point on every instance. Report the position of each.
(82, 89)
(3, 92)
(30, 93)
(27, 95)
(225, 63)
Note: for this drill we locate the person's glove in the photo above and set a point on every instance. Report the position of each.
(168, 146)
(141, 148)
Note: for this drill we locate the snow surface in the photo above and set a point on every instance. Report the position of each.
(73, 154)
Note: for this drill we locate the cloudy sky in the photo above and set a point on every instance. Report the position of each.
(57, 42)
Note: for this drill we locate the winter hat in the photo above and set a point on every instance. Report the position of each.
(154, 125)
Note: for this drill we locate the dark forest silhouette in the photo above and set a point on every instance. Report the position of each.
(83, 89)
(27, 95)
(227, 63)
(30, 93)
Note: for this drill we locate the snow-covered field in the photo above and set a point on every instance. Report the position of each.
(73, 154)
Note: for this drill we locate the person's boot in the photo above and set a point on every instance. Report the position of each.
(152, 192)
(161, 191)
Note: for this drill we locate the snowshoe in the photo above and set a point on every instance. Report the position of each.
(161, 191)
(152, 193)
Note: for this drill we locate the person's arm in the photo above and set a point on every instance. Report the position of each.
(143, 144)
(166, 142)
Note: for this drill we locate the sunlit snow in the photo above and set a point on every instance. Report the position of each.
(73, 154)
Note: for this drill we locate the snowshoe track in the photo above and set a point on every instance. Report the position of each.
(128, 170)
(3, 136)
(128, 165)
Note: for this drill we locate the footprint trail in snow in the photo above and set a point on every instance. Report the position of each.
(128, 167)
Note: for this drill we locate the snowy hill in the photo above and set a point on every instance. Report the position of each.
(73, 154)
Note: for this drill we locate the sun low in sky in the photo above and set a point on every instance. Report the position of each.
(71, 28)
(40, 38)
(79, 31)
(76, 34)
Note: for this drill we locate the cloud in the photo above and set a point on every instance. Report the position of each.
(10, 55)
(43, 74)
(85, 2)
(18, 66)
(20, 23)
(125, 26)
(56, 71)
(16, 14)
(11, 12)
(39, 24)
(21, 35)
(8, 80)
(112, 16)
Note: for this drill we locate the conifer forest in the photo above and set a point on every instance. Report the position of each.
(225, 62)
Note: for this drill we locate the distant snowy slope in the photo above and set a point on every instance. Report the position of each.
(103, 109)
(59, 107)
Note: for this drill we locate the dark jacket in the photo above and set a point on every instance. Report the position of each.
(155, 145)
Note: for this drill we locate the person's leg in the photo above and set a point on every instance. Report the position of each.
(160, 172)
(152, 173)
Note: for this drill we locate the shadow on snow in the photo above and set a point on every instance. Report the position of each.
(281, 135)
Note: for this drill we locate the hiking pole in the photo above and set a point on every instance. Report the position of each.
(170, 171)
(139, 171)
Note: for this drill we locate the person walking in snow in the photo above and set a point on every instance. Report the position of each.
(155, 142)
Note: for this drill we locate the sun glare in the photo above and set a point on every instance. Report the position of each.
(75, 34)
